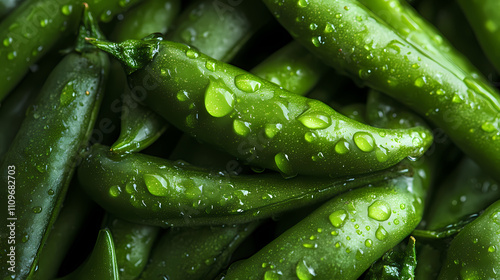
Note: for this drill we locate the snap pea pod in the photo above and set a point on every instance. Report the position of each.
(76, 209)
(256, 120)
(140, 127)
(133, 243)
(220, 33)
(35, 26)
(474, 252)
(195, 253)
(39, 164)
(101, 264)
(484, 17)
(420, 33)
(352, 39)
(155, 191)
(343, 237)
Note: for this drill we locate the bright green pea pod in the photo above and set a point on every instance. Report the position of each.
(342, 238)
(256, 120)
(101, 263)
(133, 243)
(216, 31)
(484, 17)
(293, 68)
(352, 39)
(35, 27)
(195, 253)
(474, 253)
(39, 164)
(150, 190)
(75, 212)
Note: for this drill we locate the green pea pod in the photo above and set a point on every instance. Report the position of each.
(217, 29)
(76, 210)
(39, 164)
(342, 238)
(474, 253)
(293, 68)
(35, 26)
(195, 253)
(101, 264)
(352, 39)
(256, 120)
(155, 191)
(484, 17)
(140, 127)
(133, 243)
(420, 33)
(355, 111)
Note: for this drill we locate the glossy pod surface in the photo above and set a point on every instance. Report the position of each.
(352, 39)
(154, 191)
(255, 120)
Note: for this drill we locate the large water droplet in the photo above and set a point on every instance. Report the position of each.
(156, 184)
(342, 147)
(219, 101)
(66, 9)
(379, 210)
(241, 128)
(272, 129)
(192, 53)
(182, 95)
(115, 191)
(37, 209)
(314, 120)
(338, 218)
(381, 154)
(309, 137)
(381, 233)
(364, 141)
(211, 65)
(283, 163)
(329, 28)
(303, 3)
(271, 275)
(488, 127)
(304, 271)
(420, 81)
(68, 94)
(368, 243)
(247, 83)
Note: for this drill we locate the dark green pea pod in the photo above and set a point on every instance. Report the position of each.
(40, 162)
(215, 28)
(342, 238)
(293, 68)
(133, 243)
(355, 111)
(155, 191)
(101, 263)
(34, 27)
(474, 253)
(352, 39)
(484, 17)
(256, 120)
(195, 253)
(420, 33)
(76, 210)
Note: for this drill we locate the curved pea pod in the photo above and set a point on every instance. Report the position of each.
(34, 27)
(155, 191)
(256, 120)
(483, 16)
(218, 29)
(101, 264)
(39, 164)
(195, 253)
(352, 39)
(292, 67)
(474, 253)
(132, 243)
(342, 238)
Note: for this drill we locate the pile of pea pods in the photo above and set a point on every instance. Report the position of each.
(239, 139)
